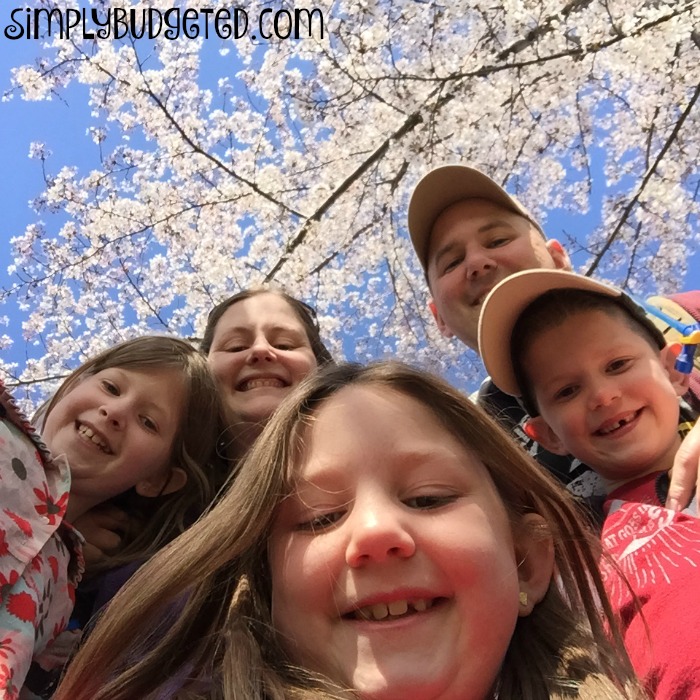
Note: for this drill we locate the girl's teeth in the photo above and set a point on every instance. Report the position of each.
(85, 431)
(398, 607)
(380, 611)
(259, 383)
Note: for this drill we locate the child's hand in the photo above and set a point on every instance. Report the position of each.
(102, 527)
(685, 472)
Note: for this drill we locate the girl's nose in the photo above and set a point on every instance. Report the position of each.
(377, 533)
(114, 412)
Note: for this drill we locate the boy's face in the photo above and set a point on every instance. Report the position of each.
(604, 395)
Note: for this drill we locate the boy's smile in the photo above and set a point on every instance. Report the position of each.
(605, 395)
(619, 425)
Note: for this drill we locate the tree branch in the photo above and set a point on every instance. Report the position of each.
(645, 180)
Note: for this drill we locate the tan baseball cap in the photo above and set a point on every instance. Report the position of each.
(506, 302)
(443, 187)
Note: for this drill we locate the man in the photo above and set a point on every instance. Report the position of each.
(469, 234)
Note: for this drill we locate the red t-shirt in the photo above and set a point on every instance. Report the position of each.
(658, 551)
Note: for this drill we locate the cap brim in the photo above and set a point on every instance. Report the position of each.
(504, 305)
(443, 187)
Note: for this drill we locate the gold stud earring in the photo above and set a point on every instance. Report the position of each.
(523, 598)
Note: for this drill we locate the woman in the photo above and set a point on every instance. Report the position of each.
(260, 344)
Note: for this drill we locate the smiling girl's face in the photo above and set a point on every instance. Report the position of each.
(259, 352)
(117, 428)
(394, 568)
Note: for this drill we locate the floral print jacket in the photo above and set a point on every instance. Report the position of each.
(40, 555)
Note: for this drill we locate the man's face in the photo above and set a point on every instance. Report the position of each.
(474, 245)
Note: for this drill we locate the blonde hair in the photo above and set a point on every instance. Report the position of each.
(223, 636)
(156, 521)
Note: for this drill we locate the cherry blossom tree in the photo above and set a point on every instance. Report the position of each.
(233, 162)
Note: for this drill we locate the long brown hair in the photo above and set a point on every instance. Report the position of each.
(158, 520)
(223, 636)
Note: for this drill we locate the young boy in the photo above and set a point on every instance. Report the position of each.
(598, 381)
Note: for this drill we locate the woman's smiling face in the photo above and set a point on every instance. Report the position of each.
(259, 352)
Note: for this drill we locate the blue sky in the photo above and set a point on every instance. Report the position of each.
(61, 124)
